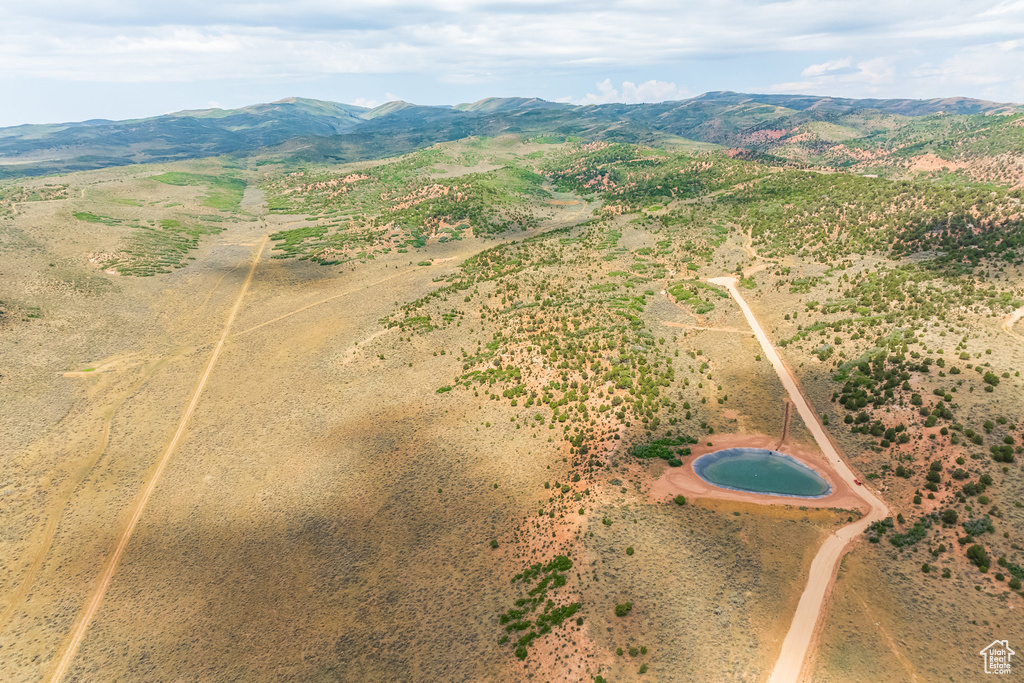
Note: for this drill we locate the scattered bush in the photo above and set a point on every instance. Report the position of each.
(979, 526)
(977, 555)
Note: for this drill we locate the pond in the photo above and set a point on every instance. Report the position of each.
(760, 471)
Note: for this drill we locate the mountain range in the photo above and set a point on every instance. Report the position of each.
(802, 128)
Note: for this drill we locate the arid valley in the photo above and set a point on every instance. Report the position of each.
(438, 414)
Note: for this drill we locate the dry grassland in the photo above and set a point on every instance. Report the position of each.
(329, 514)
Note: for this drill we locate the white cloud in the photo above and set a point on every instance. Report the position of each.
(828, 67)
(653, 91)
(985, 66)
(464, 41)
(631, 93)
(446, 49)
(606, 93)
(868, 78)
(992, 71)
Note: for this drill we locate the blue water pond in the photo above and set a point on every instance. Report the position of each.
(761, 471)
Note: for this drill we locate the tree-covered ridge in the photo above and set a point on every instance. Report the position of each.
(811, 214)
(828, 216)
(401, 205)
(631, 177)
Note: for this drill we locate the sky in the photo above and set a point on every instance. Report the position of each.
(64, 60)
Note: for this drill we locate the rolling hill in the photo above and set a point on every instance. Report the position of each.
(802, 129)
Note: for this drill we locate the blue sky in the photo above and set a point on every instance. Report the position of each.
(65, 61)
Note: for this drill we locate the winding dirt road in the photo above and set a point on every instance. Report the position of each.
(1011, 320)
(825, 564)
(96, 598)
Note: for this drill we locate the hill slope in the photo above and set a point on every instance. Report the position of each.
(805, 129)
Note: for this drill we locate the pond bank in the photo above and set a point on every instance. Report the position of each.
(672, 481)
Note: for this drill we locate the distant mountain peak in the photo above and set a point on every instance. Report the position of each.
(337, 131)
(386, 108)
(500, 104)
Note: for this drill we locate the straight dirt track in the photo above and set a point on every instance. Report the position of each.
(96, 599)
(825, 564)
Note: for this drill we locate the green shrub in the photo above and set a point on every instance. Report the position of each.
(977, 555)
(915, 534)
(622, 609)
(979, 526)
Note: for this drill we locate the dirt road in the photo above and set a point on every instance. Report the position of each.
(1011, 320)
(56, 510)
(748, 244)
(826, 562)
(96, 599)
